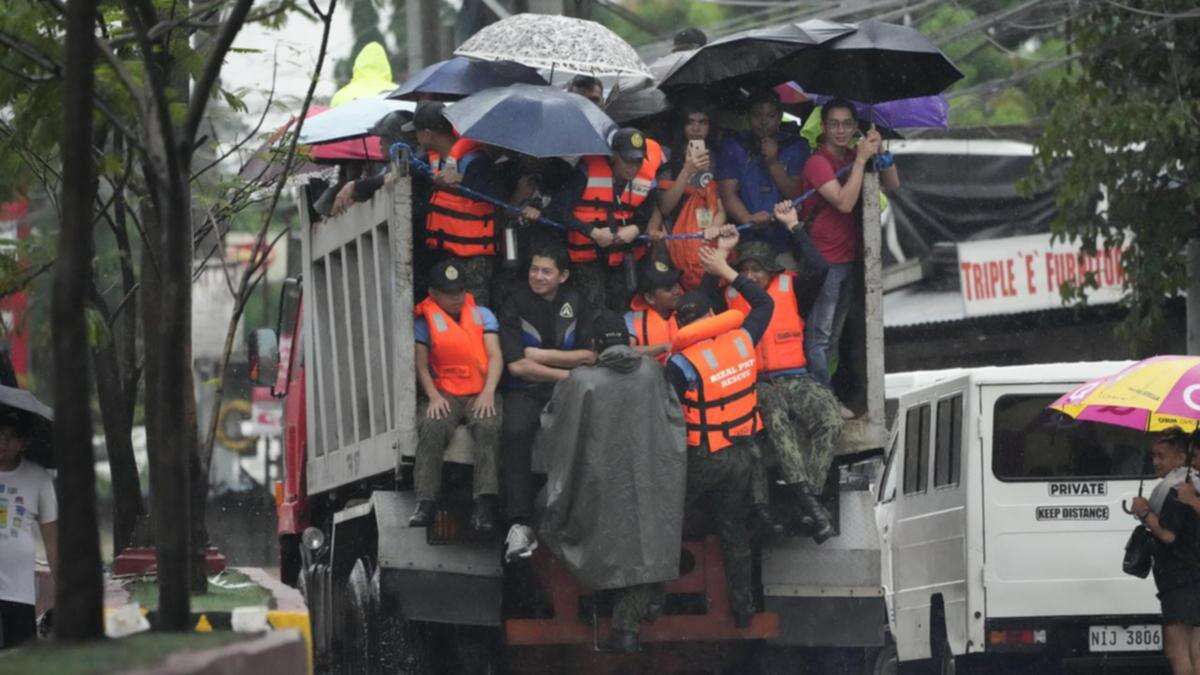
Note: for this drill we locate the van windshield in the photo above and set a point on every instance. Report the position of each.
(1030, 442)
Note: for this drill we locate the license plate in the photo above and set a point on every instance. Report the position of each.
(1138, 638)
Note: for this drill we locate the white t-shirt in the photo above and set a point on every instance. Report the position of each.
(26, 497)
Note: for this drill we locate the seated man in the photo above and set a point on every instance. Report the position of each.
(713, 369)
(613, 436)
(756, 170)
(544, 330)
(651, 320)
(458, 367)
(791, 399)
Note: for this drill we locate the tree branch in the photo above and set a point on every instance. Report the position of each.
(212, 69)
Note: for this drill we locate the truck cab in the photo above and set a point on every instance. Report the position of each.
(1000, 522)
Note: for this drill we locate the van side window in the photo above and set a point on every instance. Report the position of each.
(947, 449)
(916, 449)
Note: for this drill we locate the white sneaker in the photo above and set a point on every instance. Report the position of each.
(521, 542)
(846, 413)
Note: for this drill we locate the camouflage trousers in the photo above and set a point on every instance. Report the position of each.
(434, 435)
(601, 286)
(634, 604)
(803, 422)
(479, 272)
(720, 481)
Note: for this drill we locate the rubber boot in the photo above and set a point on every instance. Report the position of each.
(483, 519)
(806, 498)
(424, 514)
(763, 525)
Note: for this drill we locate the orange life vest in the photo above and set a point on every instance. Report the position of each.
(782, 346)
(685, 253)
(649, 328)
(598, 203)
(456, 223)
(458, 360)
(723, 406)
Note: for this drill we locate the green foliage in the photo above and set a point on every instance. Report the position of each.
(1127, 127)
(668, 15)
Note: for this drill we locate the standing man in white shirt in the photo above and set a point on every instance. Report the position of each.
(26, 497)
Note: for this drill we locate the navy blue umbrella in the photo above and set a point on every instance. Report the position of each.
(460, 76)
(534, 121)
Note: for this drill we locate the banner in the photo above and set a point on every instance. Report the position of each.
(1024, 274)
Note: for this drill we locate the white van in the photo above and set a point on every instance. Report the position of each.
(1001, 525)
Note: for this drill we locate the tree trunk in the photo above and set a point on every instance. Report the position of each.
(79, 596)
(1193, 295)
(126, 486)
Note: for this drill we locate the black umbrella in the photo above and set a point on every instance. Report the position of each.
(35, 418)
(744, 55)
(535, 121)
(878, 62)
(460, 76)
(629, 106)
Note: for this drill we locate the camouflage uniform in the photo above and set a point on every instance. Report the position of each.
(601, 285)
(803, 422)
(636, 604)
(722, 481)
(434, 435)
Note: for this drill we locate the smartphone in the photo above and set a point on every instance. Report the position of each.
(696, 146)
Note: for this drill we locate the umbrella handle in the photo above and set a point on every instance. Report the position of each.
(1125, 507)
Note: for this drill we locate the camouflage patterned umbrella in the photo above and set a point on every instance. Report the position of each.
(555, 42)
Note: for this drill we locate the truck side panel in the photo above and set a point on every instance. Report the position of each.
(358, 333)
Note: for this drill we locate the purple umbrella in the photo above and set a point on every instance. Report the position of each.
(926, 112)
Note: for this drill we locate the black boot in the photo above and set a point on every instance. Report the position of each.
(762, 523)
(742, 616)
(806, 499)
(483, 518)
(621, 642)
(424, 513)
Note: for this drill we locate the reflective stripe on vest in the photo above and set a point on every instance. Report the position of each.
(723, 406)
(598, 202)
(782, 345)
(456, 223)
(457, 356)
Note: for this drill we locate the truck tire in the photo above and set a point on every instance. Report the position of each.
(401, 647)
(887, 661)
(354, 642)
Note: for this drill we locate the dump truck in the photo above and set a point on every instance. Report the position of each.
(385, 597)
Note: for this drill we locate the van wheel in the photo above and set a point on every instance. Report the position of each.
(887, 661)
(401, 646)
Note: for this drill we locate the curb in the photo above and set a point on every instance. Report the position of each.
(275, 652)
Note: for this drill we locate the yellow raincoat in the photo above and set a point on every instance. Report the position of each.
(372, 76)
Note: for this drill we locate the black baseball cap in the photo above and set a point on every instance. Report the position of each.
(449, 276)
(629, 144)
(656, 274)
(429, 116)
(609, 329)
(692, 306)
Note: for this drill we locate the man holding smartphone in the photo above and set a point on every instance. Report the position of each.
(758, 169)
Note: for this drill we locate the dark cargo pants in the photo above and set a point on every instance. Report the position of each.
(434, 435)
(522, 419)
(633, 605)
(803, 421)
(721, 480)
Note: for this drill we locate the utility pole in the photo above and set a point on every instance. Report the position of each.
(424, 33)
(1193, 295)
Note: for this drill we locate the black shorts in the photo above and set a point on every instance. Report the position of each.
(18, 623)
(1181, 605)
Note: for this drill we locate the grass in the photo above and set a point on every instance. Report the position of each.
(108, 656)
(145, 592)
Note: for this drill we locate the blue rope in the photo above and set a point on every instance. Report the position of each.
(501, 204)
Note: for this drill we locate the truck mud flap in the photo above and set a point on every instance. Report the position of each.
(456, 583)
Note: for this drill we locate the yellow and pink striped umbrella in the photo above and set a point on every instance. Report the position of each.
(1151, 395)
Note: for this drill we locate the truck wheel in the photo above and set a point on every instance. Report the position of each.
(401, 646)
(354, 640)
